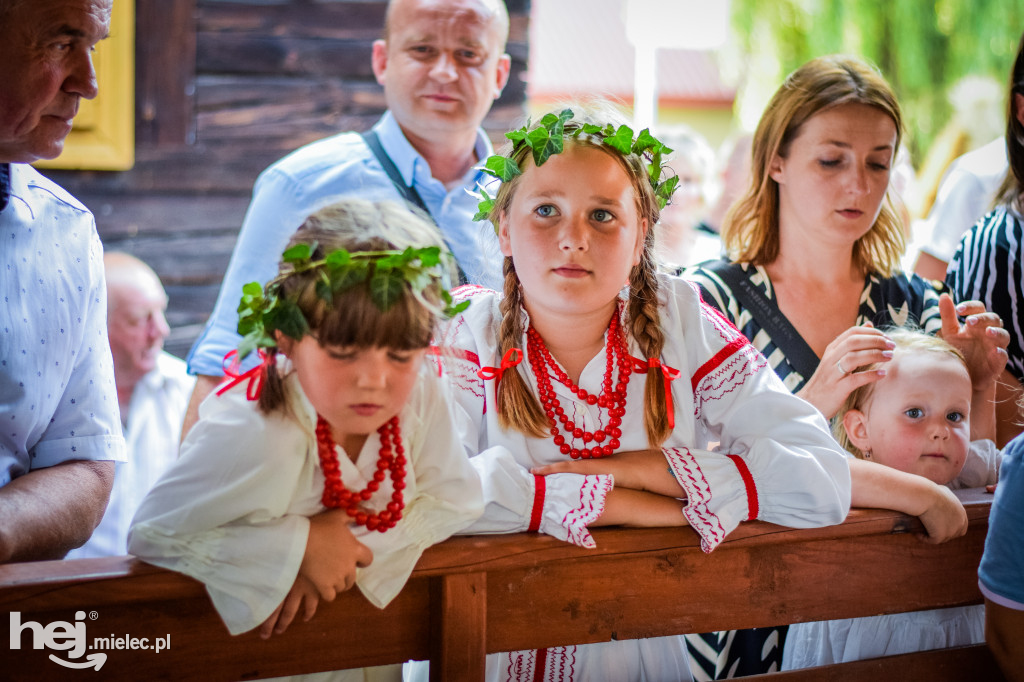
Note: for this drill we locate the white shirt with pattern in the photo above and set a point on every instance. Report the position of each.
(57, 396)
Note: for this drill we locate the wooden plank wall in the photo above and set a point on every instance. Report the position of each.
(223, 89)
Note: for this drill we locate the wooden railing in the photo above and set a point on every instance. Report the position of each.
(474, 595)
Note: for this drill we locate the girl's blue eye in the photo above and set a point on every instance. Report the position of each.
(914, 413)
(545, 211)
(602, 216)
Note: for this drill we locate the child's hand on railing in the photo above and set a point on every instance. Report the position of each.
(945, 518)
(303, 594)
(332, 554)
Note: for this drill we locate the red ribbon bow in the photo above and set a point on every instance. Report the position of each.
(512, 357)
(254, 376)
(670, 373)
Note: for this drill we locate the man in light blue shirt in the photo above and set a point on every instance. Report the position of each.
(58, 406)
(442, 65)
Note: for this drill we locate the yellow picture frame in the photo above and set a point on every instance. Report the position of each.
(102, 136)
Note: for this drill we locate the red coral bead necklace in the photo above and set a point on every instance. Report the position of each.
(614, 400)
(392, 458)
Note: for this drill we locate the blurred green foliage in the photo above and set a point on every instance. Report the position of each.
(923, 47)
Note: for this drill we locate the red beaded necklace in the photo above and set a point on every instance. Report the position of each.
(544, 367)
(336, 495)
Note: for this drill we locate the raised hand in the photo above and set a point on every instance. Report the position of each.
(981, 339)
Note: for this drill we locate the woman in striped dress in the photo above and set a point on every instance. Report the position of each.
(988, 265)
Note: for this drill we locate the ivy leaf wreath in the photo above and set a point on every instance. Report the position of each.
(548, 138)
(389, 274)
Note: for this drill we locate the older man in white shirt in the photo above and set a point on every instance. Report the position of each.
(59, 428)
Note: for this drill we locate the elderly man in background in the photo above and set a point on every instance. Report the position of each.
(153, 388)
(442, 64)
(59, 429)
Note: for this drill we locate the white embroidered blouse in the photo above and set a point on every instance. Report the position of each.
(233, 510)
(775, 459)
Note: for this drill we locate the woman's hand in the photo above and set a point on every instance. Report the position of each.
(638, 470)
(332, 554)
(981, 339)
(303, 592)
(837, 375)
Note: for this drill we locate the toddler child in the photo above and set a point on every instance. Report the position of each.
(918, 419)
(336, 461)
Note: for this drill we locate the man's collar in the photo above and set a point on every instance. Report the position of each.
(404, 155)
(5, 185)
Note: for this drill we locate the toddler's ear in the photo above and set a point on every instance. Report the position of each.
(856, 424)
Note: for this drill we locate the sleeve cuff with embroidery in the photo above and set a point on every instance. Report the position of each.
(735, 498)
(559, 505)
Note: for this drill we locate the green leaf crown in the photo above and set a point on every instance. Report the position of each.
(389, 273)
(548, 138)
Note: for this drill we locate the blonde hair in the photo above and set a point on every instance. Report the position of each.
(518, 407)
(352, 318)
(751, 228)
(906, 340)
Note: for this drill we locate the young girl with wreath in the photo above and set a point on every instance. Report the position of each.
(594, 385)
(336, 461)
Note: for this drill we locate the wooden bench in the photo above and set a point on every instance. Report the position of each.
(479, 594)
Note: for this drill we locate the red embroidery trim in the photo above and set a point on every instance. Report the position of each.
(539, 489)
(748, 481)
(670, 374)
(254, 376)
(719, 357)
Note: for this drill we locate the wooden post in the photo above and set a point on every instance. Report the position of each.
(458, 627)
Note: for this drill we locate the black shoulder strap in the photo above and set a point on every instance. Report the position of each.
(408, 192)
(767, 314)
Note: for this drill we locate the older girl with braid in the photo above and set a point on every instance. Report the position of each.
(593, 385)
